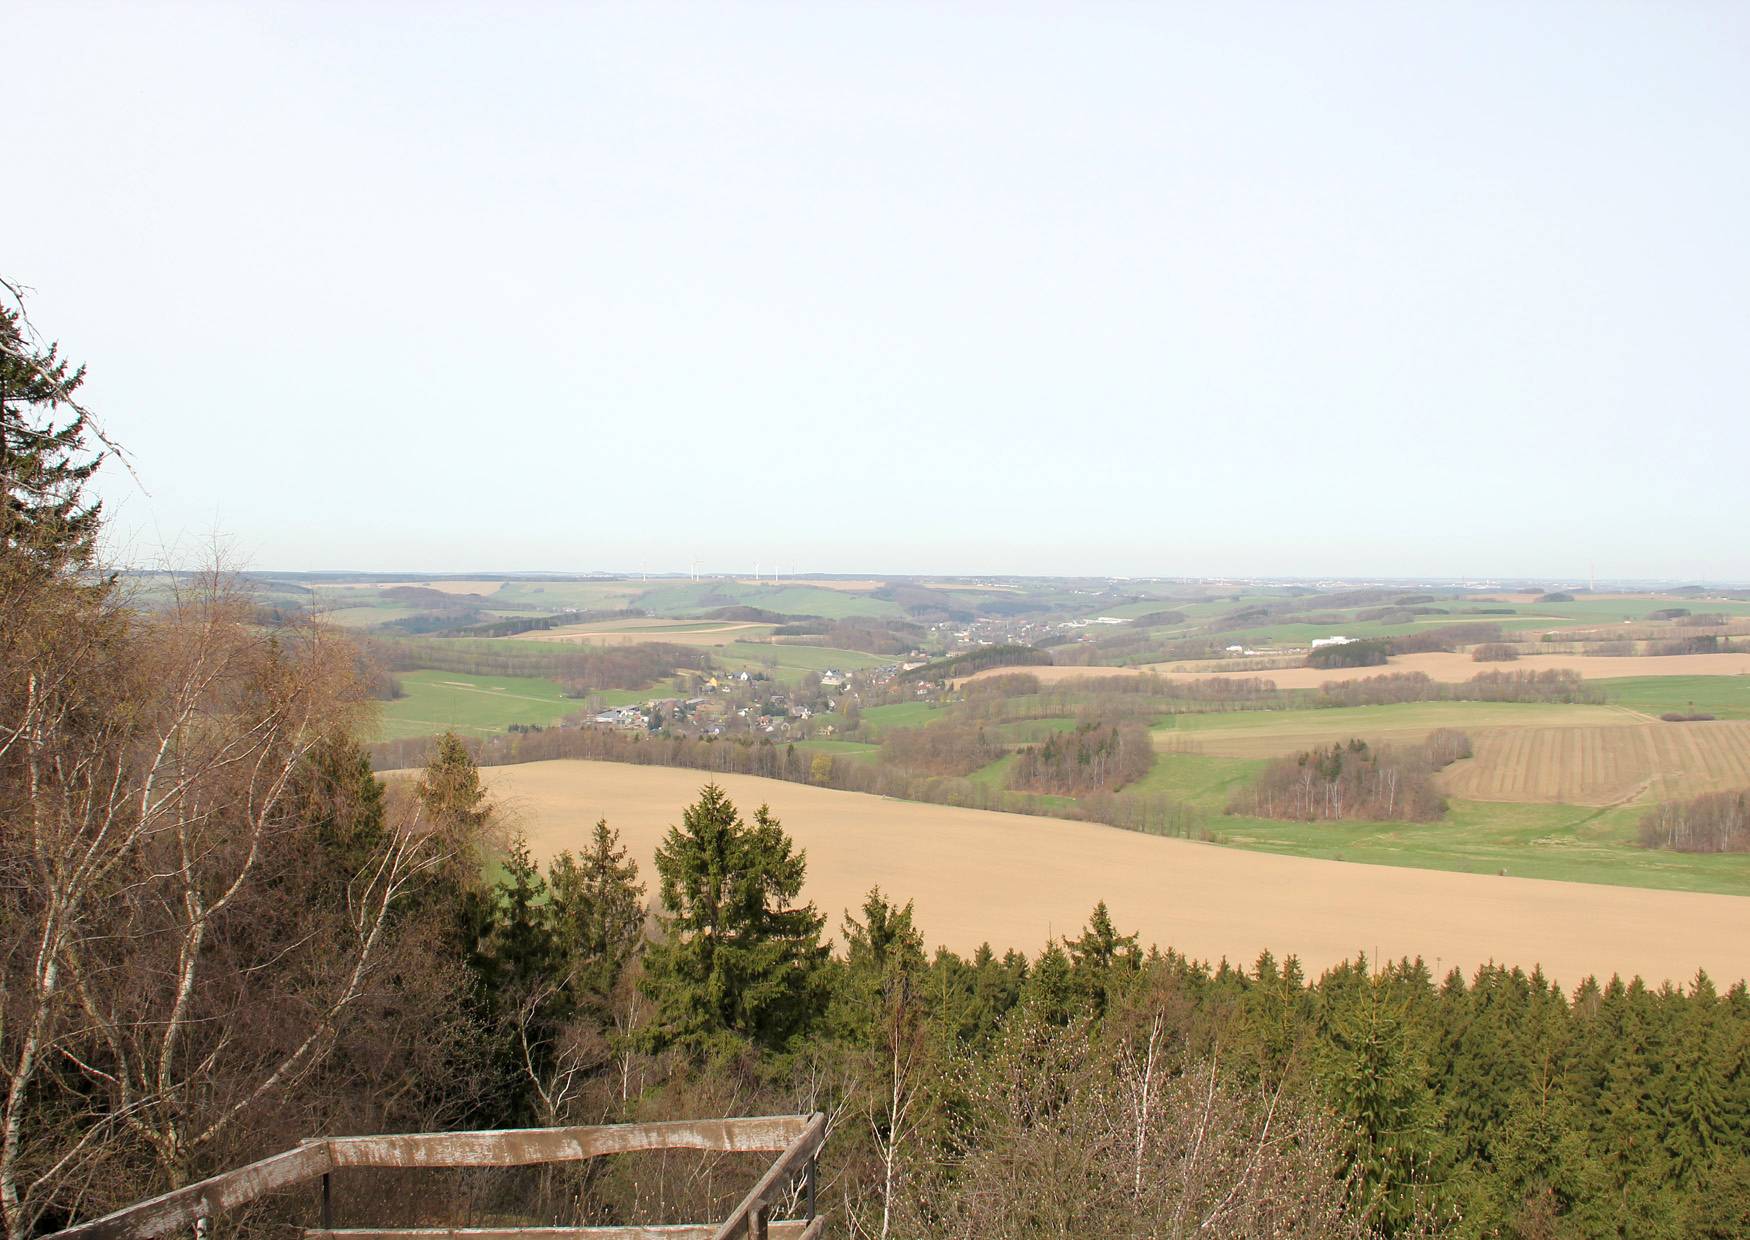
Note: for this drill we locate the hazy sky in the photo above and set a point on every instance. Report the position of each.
(1141, 289)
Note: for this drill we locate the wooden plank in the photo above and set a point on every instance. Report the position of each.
(814, 1230)
(787, 1229)
(518, 1147)
(806, 1145)
(158, 1216)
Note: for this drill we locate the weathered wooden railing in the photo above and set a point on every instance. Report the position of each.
(797, 1139)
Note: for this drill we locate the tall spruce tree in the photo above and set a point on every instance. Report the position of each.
(598, 915)
(46, 524)
(739, 960)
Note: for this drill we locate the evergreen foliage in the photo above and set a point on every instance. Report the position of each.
(46, 526)
(739, 959)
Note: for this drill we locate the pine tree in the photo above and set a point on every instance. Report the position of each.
(1103, 959)
(46, 525)
(1049, 993)
(1376, 1081)
(1697, 1123)
(449, 787)
(598, 914)
(341, 799)
(739, 959)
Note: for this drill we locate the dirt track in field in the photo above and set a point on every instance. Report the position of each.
(1014, 881)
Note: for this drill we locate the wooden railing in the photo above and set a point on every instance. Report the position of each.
(797, 1139)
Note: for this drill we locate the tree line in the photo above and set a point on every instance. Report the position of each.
(1518, 685)
(1714, 822)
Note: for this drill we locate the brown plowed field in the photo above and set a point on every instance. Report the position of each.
(1604, 766)
(1014, 881)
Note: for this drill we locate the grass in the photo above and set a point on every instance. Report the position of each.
(631, 697)
(861, 750)
(877, 719)
(995, 774)
(1031, 731)
(471, 705)
(1724, 697)
(1260, 733)
(791, 664)
(1565, 842)
(1198, 779)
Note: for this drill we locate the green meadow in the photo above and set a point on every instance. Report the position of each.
(790, 663)
(900, 715)
(1724, 697)
(471, 705)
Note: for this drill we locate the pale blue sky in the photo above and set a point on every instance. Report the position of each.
(1144, 289)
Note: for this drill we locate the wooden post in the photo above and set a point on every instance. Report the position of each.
(756, 1223)
(327, 1200)
(812, 1163)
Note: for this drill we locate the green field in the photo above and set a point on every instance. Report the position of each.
(861, 750)
(1031, 731)
(790, 663)
(900, 715)
(1724, 697)
(994, 774)
(1259, 733)
(1199, 779)
(471, 705)
(630, 697)
(1566, 842)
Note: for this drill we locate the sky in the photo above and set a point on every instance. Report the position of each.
(1165, 289)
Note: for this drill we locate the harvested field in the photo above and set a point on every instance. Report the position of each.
(1014, 881)
(1604, 766)
(635, 632)
(1438, 665)
(1266, 733)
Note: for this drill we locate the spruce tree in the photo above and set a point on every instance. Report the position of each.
(1697, 1122)
(1104, 959)
(598, 915)
(739, 960)
(339, 796)
(47, 527)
